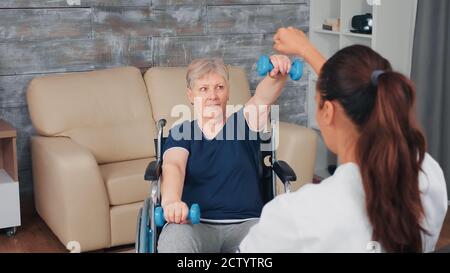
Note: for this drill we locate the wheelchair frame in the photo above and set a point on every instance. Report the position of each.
(147, 232)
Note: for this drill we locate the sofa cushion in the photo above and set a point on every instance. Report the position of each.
(167, 88)
(108, 111)
(125, 181)
(123, 223)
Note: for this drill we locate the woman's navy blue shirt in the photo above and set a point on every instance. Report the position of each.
(221, 173)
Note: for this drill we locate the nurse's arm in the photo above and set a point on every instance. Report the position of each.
(315, 59)
(172, 181)
(276, 230)
(294, 41)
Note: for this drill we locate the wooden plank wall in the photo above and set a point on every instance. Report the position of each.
(40, 37)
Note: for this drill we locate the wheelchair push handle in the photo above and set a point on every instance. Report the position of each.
(193, 215)
(264, 66)
(162, 123)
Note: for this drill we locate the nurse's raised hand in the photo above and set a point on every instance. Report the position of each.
(291, 41)
(294, 41)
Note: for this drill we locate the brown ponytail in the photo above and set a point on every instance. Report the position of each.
(390, 149)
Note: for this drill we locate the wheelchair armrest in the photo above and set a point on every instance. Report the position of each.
(284, 171)
(153, 171)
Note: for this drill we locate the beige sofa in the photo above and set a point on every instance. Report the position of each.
(95, 139)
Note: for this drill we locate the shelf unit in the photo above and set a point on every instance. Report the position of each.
(9, 180)
(392, 36)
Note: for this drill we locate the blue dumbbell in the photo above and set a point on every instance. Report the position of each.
(193, 215)
(264, 66)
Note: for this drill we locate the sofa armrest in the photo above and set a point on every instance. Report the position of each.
(298, 147)
(69, 192)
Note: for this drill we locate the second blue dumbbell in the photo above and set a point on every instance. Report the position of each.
(193, 216)
(264, 66)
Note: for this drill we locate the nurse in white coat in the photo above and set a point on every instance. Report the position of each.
(388, 194)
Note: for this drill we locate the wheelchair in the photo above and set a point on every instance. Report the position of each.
(150, 219)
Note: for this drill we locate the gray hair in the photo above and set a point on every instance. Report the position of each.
(201, 67)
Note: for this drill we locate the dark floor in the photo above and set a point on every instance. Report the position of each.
(35, 236)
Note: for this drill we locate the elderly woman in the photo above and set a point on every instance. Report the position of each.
(213, 161)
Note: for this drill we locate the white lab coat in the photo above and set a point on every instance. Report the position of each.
(331, 216)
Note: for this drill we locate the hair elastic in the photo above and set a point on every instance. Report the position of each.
(375, 75)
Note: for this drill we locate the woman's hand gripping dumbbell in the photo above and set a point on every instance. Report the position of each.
(265, 66)
(178, 213)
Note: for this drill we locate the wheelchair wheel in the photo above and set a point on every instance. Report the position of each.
(146, 235)
(137, 243)
(142, 238)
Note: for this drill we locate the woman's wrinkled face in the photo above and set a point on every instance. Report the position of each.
(209, 95)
